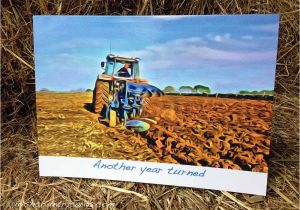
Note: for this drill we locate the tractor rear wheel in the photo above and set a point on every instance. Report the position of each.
(100, 96)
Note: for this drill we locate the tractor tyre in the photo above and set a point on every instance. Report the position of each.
(100, 97)
(112, 118)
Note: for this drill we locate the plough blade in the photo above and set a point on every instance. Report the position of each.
(137, 125)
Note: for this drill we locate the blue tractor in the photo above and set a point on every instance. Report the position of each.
(120, 94)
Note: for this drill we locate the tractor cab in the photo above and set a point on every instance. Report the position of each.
(120, 90)
(121, 67)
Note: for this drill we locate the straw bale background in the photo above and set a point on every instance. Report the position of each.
(20, 182)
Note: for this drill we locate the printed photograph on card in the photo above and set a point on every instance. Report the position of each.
(175, 100)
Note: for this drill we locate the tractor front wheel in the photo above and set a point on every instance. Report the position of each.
(100, 96)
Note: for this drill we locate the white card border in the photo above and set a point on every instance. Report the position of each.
(214, 179)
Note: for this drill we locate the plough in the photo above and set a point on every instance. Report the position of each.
(127, 103)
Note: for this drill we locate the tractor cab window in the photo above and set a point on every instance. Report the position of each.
(136, 70)
(123, 69)
(109, 70)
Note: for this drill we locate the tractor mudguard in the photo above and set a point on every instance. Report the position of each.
(144, 89)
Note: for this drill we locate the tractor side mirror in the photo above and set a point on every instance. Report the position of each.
(102, 64)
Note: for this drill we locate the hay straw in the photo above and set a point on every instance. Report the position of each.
(227, 194)
(282, 195)
(20, 59)
(20, 181)
(121, 190)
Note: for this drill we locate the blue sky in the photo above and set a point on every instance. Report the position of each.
(228, 53)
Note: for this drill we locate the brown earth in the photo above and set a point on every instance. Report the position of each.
(216, 132)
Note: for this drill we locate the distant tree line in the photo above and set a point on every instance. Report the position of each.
(44, 90)
(188, 89)
(256, 92)
(204, 89)
(81, 90)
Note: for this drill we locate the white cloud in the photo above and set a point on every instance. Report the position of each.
(193, 53)
(226, 40)
(219, 38)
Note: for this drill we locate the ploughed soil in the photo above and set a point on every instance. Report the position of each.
(194, 130)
